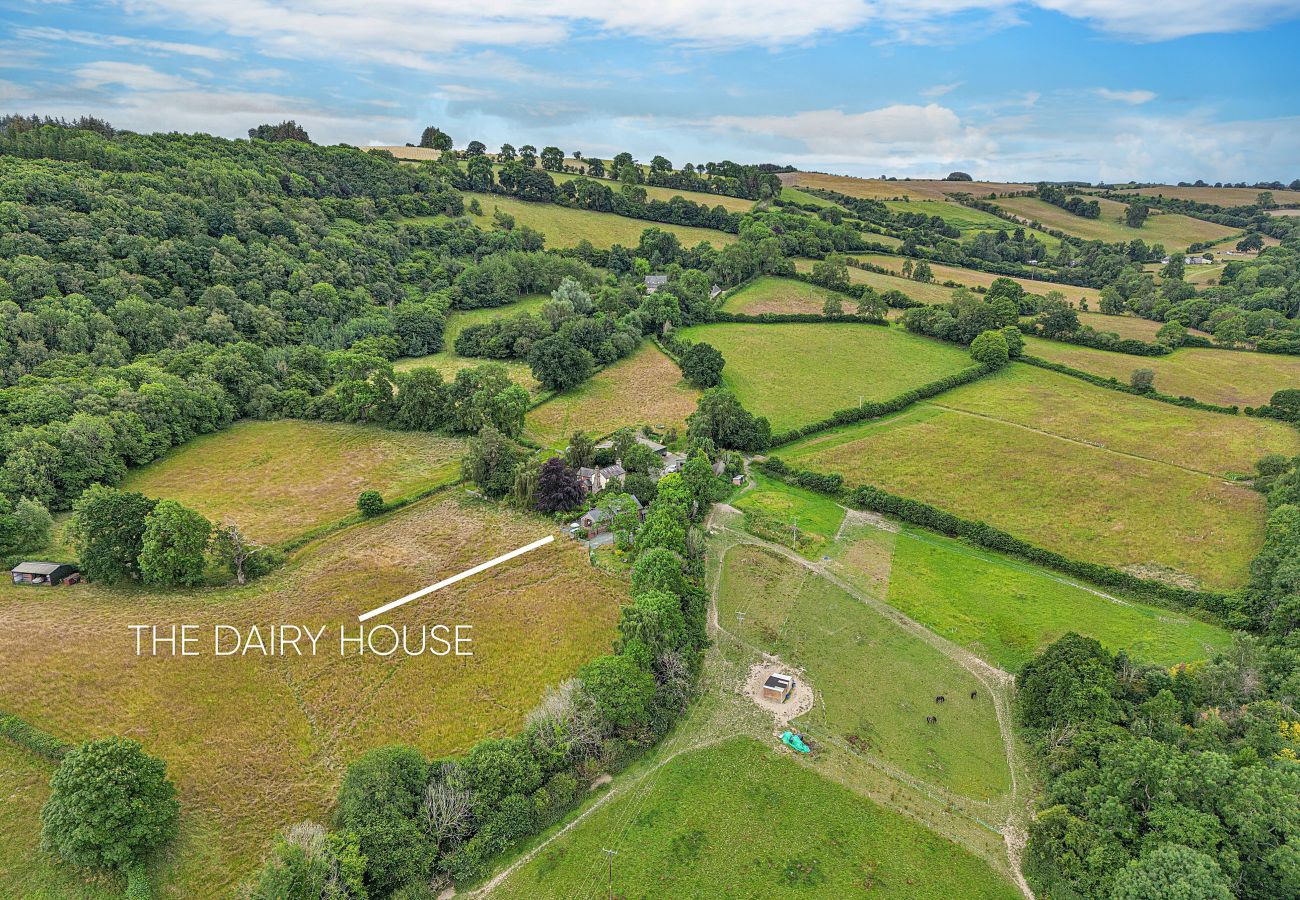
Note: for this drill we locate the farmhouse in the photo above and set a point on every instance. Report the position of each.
(778, 687)
(655, 282)
(596, 480)
(46, 573)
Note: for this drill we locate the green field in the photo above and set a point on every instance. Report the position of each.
(790, 515)
(448, 362)
(1006, 610)
(566, 227)
(1175, 231)
(974, 278)
(740, 820)
(1225, 377)
(1080, 500)
(920, 291)
(801, 373)
(646, 388)
(280, 479)
(874, 680)
(652, 192)
(782, 295)
(1071, 408)
(970, 221)
(255, 743)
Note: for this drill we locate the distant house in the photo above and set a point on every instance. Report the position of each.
(714, 292)
(739, 479)
(778, 687)
(594, 521)
(655, 282)
(46, 573)
(653, 445)
(1197, 260)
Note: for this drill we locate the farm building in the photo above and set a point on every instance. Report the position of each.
(655, 282)
(46, 573)
(778, 687)
(594, 521)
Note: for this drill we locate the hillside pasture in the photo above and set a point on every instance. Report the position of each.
(738, 819)
(782, 295)
(797, 374)
(974, 278)
(277, 480)
(1175, 231)
(918, 291)
(1225, 377)
(1006, 610)
(882, 189)
(256, 742)
(1217, 196)
(785, 514)
(1081, 500)
(968, 220)
(873, 679)
(646, 388)
(1075, 410)
(566, 227)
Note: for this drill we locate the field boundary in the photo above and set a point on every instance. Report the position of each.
(989, 537)
(1115, 384)
(26, 735)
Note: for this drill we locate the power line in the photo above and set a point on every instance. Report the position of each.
(611, 854)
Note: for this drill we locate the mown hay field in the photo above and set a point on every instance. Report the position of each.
(277, 480)
(646, 388)
(1125, 326)
(969, 220)
(975, 278)
(1175, 231)
(566, 227)
(738, 819)
(1078, 499)
(916, 189)
(1071, 408)
(797, 374)
(1006, 610)
(256, 743)
(874, 679)
(1225, 377)
(919, 291)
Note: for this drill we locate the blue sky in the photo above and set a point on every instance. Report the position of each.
(1062, 89)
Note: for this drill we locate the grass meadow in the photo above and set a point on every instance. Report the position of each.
(797, 374)
(790, 515)
(1078, 499)
(566, 227)
(1224, 196)
(782, 295)
(1073, 409)
(256, 743)
(1006, 610)
(919, 291)
(646, 388)
(974, 278)
(739, 819)
(874, 680)
(280, 479)
(1225, 377)
(1175, 231)
(882, 189)
(968, 220)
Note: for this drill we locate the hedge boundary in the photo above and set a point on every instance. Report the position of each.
(875, 409)
(29, 737)
(987, 536)
(1115, 384)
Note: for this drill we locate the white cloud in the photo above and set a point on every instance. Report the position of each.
(1161, 20)
(129, 75)
(466, 92)
(880, 137)
(1133, 98)
(10, 91)
(92, 39)
(939, 90)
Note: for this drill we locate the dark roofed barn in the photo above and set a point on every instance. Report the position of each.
(46, 573)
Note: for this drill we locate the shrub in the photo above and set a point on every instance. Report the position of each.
(370, 503)
(990, 349)
(1143, 380)
(111, 806)
(621, 690)
(31, 737)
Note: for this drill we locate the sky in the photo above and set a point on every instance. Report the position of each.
(1093, 90)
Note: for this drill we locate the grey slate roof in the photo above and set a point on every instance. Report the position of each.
(37, 568)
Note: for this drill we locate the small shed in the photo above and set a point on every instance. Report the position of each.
(778, 687)
(46, 573)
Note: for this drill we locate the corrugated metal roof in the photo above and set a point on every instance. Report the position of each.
(37, 568)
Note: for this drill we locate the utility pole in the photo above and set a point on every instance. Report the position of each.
(795, 529)
(611, 854)
(740, 617)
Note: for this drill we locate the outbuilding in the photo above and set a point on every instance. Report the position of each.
(778, 687)
(46, 573)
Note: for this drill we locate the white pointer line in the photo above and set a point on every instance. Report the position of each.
(481, 567)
